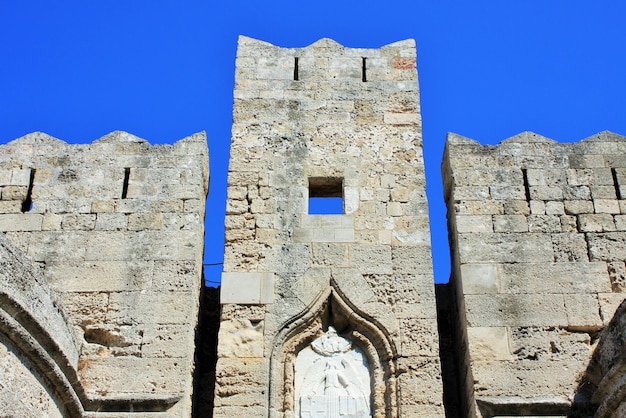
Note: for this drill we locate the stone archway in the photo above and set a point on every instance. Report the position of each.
(326, 318)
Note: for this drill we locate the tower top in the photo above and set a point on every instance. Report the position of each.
(326, 61)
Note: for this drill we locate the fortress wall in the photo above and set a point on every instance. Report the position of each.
(308, 126)
(116, 227)
(538, 246)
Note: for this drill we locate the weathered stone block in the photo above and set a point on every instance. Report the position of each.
(507, 192)
(576, 193)
(479, 208)
(583, 310)
(501, 247)
(247, 288)
(156, 306)
(21, 222)
(20, 177)
(419, 381)
(411, 259)
(609, 302)
(557, 278)
(480, 278)
(51, 222)
(606, 206)
(84, 222)
(549, 344)
(602, 192)
(167, 341)
(101, 276)
(575, 207)
(537, 207)
(335, 255)
(420, 338)
(372, 259)
(555, 208)
(488, 343)
(241, 338)
(617, 274)
(608, 246)
(546, 193)
(238, 382)
(528, 378)
(5, 177)
(509, 223)
(516, 207)
(10, 206)
(103, 206)
(568, 223)
(503, 310)
(131, 376)
(602, 222)
(570, 247)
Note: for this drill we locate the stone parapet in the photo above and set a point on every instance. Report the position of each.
(116, 228)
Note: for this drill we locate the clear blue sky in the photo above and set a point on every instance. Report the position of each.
(164, 69)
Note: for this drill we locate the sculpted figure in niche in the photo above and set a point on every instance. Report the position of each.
(332, 379)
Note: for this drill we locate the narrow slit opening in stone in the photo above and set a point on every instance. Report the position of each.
(364, 69)
(27, 203)
(618, 192)
(125, 185)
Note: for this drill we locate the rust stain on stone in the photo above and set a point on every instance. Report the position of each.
(404, 63)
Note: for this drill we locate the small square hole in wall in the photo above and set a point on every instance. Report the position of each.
(325, 195)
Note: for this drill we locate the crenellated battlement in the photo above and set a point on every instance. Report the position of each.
(538, 239)
(324, 309)
(116, 229)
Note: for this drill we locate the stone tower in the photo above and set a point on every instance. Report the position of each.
(329, 314)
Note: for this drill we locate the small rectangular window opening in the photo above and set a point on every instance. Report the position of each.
(27, 203)
(364, 69)
(125, 184)
(325, 195)
(296, 76)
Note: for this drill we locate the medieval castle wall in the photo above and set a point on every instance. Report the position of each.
(320, 314)
(538, 238)
(115, 229)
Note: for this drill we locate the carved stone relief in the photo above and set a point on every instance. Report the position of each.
(332, 379)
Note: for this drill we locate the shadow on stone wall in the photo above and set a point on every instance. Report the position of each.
(601, 390)
(206, 352)
(603, 385)
(447, 317)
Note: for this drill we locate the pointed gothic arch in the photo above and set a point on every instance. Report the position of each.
(333, 308)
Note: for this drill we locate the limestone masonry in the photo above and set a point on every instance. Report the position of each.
(101, 277)
(327, 120)
(103, 314)
(538, 239)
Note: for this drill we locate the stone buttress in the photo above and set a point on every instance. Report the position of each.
(328, 314)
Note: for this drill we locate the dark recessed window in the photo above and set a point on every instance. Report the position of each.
(325, 195)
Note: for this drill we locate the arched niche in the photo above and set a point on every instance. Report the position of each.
(332, 379)
(331, 313)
